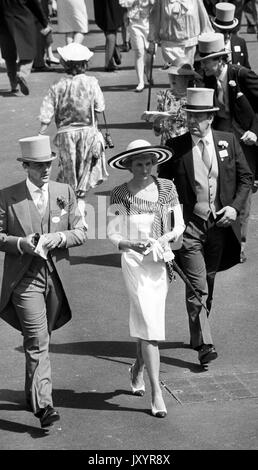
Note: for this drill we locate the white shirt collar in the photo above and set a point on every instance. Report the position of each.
(223, 74)
(34, 189)
(208, 138)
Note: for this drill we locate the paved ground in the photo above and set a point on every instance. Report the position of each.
(213, 410)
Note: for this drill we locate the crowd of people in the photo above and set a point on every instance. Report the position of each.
(206, 164)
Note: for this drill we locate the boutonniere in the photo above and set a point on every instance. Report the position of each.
(223, 144)
(61, 202)
(232, 83)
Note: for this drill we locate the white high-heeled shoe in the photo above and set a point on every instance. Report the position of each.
(139, 391)
(159, 413)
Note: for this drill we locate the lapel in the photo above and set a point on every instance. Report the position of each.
(55, 191)
(231, 90)
(188, 160)
(216, 138)
(21, 207)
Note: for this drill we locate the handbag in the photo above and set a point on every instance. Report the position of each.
(107, 137)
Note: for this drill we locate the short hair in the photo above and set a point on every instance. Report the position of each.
(75, 67)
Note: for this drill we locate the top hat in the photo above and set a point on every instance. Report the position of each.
(211, 45)
(36, 149)
(75, 52)
(140, 148)
(225, 16)
(199, 100)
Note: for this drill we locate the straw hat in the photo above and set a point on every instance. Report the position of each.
(211, 45)
(183, 69)
(199, 100)
(75, 52)
(36, 149)
(225, 16)
(141, 148)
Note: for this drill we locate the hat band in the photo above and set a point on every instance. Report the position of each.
(205, 54)
(197, 106)
(224, 23)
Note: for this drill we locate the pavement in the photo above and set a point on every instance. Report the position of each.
(90, 356)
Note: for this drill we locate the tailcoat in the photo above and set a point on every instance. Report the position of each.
(16, 220)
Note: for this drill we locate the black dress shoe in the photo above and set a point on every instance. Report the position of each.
(23, 85)
(47, 416)
(207, 353)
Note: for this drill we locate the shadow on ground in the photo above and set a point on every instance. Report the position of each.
(110, 259)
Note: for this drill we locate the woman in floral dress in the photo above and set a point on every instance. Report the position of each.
(170, 119)
(73, 102)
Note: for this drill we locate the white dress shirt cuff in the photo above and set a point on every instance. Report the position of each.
(19, 245)
(63, 237)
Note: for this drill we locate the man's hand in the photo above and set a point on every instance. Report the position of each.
(27, 244)
(52, 240)
(227, 216)
(249, 138)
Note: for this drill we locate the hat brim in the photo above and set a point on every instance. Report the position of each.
(174, 71)
(47, 158)
(82, 58)
(226, 27)
(198, 58)
(200, 109)
(120, 161)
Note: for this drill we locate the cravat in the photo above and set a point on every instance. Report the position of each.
(220, 93)
(41, 203)
(205, 154)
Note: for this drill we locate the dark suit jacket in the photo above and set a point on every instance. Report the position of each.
(243, 109)
(15, 221)
(239, 51)
(17, 27)
(234, 183)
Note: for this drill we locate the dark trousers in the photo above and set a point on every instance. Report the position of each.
(199, 259)
(33, 299)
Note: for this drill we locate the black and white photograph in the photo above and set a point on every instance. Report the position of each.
(128, 229)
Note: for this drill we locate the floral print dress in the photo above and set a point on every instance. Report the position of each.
(72, 102)
(174, 125)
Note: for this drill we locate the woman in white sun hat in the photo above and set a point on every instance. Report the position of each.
(74, 102)
(140, 227)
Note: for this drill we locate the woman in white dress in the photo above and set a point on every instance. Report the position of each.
(72, 19)
(139, 225)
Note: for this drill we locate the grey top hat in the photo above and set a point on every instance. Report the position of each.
(211, 45)
(225, 16)
(36, 149)
(199, 100)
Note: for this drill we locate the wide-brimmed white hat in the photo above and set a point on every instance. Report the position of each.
(138, 148)
(210, 45)
(36, 149)
(199, 100)
(225, 16)
(75, 52)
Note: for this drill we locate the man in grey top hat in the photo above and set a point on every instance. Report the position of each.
(225, 22)
(39, 222)
(212, 179)
(236, 95)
